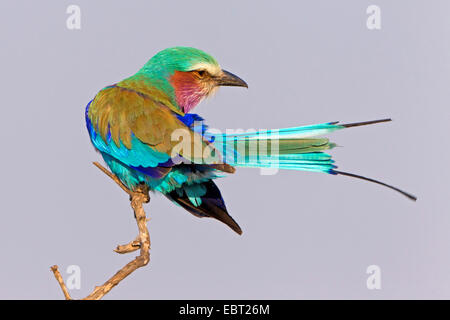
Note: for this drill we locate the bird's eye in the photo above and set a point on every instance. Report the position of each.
(200, 73)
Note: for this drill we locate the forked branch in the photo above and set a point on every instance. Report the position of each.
(138, 197)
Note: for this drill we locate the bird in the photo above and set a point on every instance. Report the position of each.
(137, 125)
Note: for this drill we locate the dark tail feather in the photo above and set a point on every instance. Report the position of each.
(406, 194)
(364, 123)
(212, 205)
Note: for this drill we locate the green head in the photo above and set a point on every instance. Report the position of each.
(189, 74)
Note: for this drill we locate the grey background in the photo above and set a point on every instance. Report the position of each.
(306, 235)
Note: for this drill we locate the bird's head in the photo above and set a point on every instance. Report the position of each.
(190, 74)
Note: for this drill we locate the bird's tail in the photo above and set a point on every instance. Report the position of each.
(297, 148)
(203, 199)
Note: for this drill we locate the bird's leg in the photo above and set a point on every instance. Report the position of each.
(144, 190)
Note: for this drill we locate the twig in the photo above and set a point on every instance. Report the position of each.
(114, 177)
(61, 282)
(138, 197)
(129, 247)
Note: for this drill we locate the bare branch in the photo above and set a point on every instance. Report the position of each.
(113, 176)
(138, 197)
(61, 282)
(129, 247)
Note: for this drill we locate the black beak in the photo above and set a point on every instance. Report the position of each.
(229, 79)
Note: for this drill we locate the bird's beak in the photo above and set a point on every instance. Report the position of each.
(228, 79)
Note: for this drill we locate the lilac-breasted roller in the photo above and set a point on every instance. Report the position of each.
(143, 128)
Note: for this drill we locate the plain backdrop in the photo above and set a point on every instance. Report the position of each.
(306, 235)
